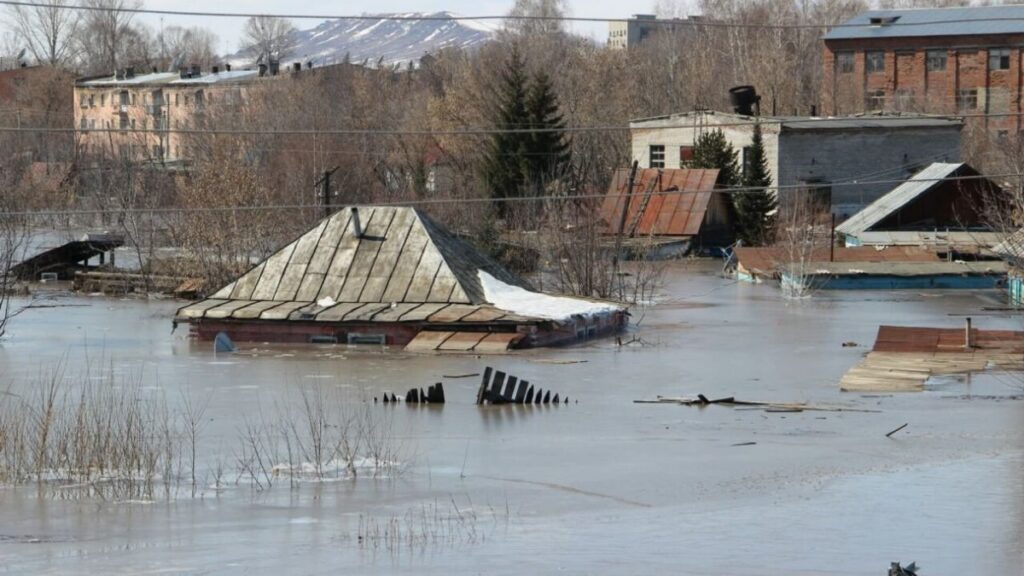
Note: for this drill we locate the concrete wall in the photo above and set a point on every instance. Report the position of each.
(842, 155)
(674, 133)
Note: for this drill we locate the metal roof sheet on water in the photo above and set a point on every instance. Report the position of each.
(907, 269)
(931, 176)
(961, 21)
(764, 260)
(676, 206)
(932, 340)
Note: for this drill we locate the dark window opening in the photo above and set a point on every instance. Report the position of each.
(936, 60)
(844, 62)
(999, 59)
(874, 62)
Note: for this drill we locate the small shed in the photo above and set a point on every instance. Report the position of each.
(65, 260)
(942, 205)
(674, 209)
(392, 276)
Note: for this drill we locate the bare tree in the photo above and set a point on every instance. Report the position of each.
(13, 246)
(105, 33)
(268, 35)
(532, 16)
(803, 237)
(195, 45)
(48, 31)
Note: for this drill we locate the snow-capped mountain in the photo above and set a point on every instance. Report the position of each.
(396, 41)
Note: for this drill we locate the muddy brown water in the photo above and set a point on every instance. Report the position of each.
(599, 486)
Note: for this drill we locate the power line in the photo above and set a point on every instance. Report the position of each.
(488, 131)
(480, 200)
(696, 23)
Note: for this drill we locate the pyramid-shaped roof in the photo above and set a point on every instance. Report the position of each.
(401, 256)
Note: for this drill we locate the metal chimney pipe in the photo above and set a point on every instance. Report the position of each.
(357, 227)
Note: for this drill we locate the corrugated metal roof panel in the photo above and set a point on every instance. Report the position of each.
(676, 207)
(899, 197)
(967, 21)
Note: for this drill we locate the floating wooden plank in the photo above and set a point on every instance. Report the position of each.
(199, 308)
(432, 395)
(427, 341)
(462, 341)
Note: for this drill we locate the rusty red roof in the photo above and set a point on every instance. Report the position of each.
(670, 202)
(931, 340)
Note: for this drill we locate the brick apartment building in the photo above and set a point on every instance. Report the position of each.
(149, 108)
(942, 61)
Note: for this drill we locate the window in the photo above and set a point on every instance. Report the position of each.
(1003, 135)
(844, 62)
(685, 156)
(175, 99)
(999, 59)
(124, 98)
(103, 99)
(657, 156)
(158, 151)
(83, 100)
(84, 124)
(967, 99)
(935, 60)
(874, 100)
(874, 62)
(123, 123)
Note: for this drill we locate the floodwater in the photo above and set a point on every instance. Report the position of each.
(599, 486)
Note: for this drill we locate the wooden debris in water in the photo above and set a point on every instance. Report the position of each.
(433, 395)
(702, 400)
(497, 388)
(908, 371)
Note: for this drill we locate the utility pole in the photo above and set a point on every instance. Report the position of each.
(325, 191)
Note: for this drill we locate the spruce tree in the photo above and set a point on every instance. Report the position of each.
(547, 153)
(712, 150)
(504, 167)
(755, 204)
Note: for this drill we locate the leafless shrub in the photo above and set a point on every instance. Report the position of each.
(84, 437)
(803, 235)
(318, 434)
(431, 525)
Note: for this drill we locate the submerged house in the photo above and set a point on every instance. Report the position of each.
(392, 276)
(942, 206)
(667, 212)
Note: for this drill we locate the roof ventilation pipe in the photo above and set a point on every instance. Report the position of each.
(745, 101)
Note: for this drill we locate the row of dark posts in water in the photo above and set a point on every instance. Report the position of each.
(496, 388)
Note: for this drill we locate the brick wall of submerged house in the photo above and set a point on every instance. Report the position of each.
(918, 63)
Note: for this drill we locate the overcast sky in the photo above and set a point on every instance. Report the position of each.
(228, 28)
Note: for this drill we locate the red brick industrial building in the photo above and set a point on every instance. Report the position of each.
(945, 60)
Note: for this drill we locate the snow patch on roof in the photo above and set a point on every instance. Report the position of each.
(538, 305)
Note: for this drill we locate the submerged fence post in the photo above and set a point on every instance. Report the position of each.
(967, 335)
